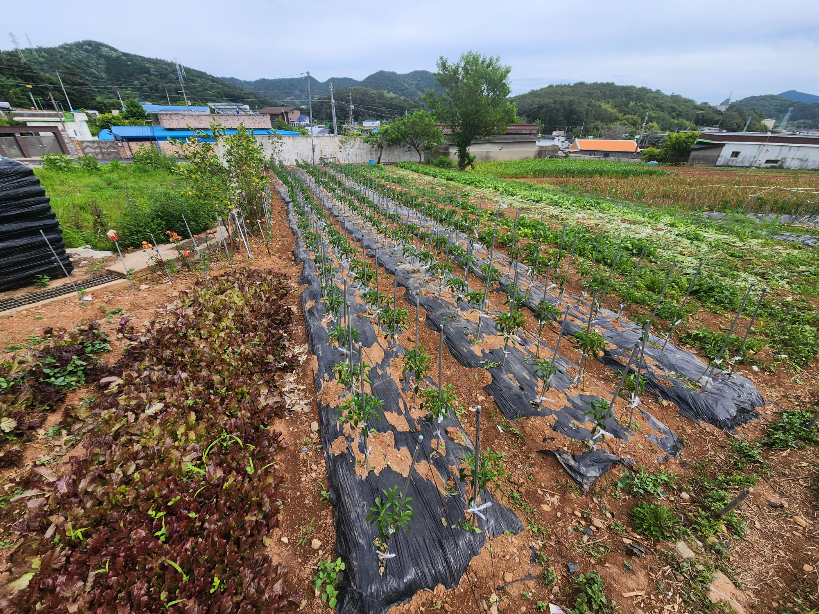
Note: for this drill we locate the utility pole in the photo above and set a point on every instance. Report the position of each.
(351, 110)
(34, 102)
(642, 129)
(333, 107)
(121, 104)
(167, 96)
(310, 100)
(180, 72)
(70, 108)
(16, 46)
(50, 95)
(748, 123)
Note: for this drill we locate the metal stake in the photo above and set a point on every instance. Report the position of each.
(164, 266)
(198, 253)
(65, 272)
(747, 332)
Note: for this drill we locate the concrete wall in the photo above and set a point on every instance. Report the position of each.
(705, 157)
(487, 152)
(351, 151)
(761, 155)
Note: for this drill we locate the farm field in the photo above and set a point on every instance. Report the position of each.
(390, 304)
(691, 188)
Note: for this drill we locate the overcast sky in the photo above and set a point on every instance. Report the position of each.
(699, 49)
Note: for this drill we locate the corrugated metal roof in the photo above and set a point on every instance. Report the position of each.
(603, 145)
(158, 133)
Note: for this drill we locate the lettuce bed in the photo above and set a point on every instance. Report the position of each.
(169, 507)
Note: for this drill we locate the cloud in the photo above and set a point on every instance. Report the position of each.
(701, 49)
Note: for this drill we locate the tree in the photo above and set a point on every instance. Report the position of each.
(225, 171)
(385, 136)
(473, 103)
(420, 131)
(133, 110)
(678, 146)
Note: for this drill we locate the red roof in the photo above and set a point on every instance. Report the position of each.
(603, 145)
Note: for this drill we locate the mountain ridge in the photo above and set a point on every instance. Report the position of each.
(410, 85)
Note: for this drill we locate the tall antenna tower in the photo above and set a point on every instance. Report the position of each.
(180, 72)
(785, 120)
(16, 45)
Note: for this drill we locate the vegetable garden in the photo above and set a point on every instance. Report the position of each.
(485, 352)
(532, 315)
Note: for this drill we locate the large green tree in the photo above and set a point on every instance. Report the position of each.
(420, 131)
(473, 103)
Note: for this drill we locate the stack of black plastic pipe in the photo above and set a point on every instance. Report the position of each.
(25, 210)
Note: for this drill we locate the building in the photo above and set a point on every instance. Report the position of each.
(302, 120)
(158, 134)
(74, 125)
(604, 148)
(199, 121)
(370, 125)
(757, 150)
(517, 143)
(286, 114)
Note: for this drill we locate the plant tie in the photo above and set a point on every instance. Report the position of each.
(477, 509)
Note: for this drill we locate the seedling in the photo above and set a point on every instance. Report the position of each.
(439, 403)
(544, 369)
(508, 324)
(41, 281)
(326, 579)
(598, 411)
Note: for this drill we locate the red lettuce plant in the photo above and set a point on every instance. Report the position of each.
(170, 506)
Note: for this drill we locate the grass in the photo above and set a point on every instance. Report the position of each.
(656, 521)
(567, 167)
(89, 204)
(133, 199)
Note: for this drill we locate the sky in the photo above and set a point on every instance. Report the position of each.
(703, 50)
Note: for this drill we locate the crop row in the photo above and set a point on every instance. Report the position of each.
(354, 324)
(791, 333)
(545, 167)
(170, 505)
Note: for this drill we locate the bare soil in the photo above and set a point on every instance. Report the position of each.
(770, 563)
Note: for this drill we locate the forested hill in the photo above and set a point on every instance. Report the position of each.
(367, 103)
(804, 115)
(411, 85)
(92, 72)
(596, 106)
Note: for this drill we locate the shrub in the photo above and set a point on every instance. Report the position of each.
(89, 163)
(652, 154)
(148, 158)
(443, 162)
(592, 598)
(57, 162)
(163, 212)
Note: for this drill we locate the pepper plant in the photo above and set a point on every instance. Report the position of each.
(418, 362)
(489, 471)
